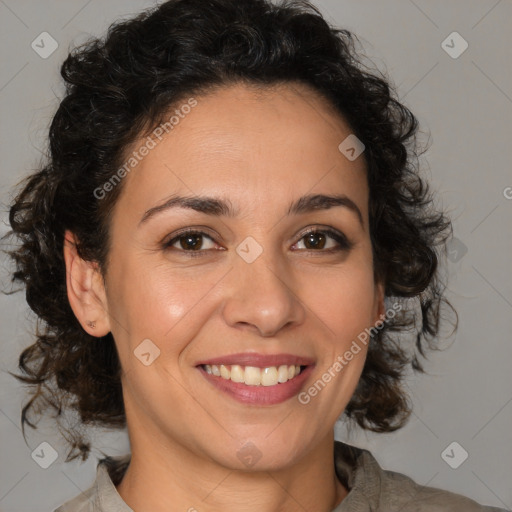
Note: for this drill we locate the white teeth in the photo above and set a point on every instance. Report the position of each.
(237, 373)
(269, 376)
(252, 375)
(225, 373)
(282, 373)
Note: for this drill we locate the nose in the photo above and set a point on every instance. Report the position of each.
(261, 297)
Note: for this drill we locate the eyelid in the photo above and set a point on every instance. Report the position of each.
(318, 229)
(195, 230)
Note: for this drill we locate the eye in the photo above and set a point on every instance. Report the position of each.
(196, 243)
(323, 240)
(191, 241)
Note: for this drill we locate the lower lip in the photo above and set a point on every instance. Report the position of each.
(259, 395)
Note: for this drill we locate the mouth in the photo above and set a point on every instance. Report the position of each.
(257, 379)
(254, 376)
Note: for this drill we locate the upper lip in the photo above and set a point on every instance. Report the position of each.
(259, 360)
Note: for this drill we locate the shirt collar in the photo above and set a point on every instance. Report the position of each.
(360, 473)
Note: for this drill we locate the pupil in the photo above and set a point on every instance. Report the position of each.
(191, 242)
(315, 241)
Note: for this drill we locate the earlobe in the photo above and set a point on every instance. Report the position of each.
(86, 290)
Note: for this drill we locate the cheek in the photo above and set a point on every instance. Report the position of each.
(167, 307)
(343, 300)
(170, 306)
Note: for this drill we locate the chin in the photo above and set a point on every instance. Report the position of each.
(260, 453)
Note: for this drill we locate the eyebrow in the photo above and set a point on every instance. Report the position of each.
(219, 207)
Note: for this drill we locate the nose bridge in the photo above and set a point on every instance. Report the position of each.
(261, 293)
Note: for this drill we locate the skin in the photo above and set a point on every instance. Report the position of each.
(260, 150)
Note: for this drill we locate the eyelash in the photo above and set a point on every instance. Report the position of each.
(341, 239)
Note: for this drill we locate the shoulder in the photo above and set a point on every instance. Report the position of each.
(401, 491)
(102, 496)
(375, 489)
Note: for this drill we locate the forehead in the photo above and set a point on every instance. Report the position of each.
(292, 117)
(242, 141)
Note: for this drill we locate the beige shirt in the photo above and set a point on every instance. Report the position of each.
(371, 489)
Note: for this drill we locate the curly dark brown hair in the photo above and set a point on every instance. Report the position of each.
(119, 87)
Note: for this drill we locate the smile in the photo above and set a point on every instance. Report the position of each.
(254, 376)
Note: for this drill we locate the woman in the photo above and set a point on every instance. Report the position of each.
(223, 248)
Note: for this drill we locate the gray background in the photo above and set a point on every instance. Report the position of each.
(464, 104)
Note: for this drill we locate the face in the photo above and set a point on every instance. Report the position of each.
(258, 270)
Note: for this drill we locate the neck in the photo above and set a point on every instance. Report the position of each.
(164, 478)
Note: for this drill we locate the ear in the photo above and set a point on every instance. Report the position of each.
(379, 306)
(86, 290)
